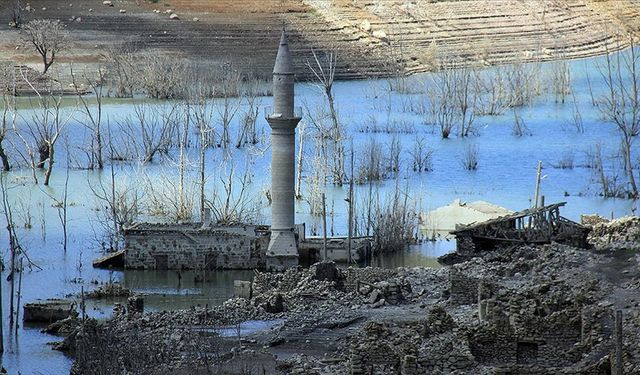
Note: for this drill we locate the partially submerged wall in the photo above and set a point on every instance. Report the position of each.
(191, 247)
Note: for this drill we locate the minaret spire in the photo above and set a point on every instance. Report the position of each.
(283, 248)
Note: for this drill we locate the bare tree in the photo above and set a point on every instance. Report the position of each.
(122, 72)
(393, 222)
(561, 80)
(14, 244)
(228, 83)
(16, 14)
(93, 116)
(235, 203)
(150, 129)
(492, 91)
(621, 103)
(324, 70)
(118, 205)
(453, 99)
(203, 118)
(469, 159)
(247, 133)
(8, 106)
(45, 128)
(161, 76)
(371, 163)
(48, 38)
(421, 156)
(519, 127)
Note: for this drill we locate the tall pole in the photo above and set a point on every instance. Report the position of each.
(350, 236)
(19, 294)
(538, 176)
(1, 322)
(617, 370)
(324, 226)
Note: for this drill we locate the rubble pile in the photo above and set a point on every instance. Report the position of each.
(526, 309)
(622, 233)
(109, 290)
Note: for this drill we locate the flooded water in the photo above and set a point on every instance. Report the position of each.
(505, 176)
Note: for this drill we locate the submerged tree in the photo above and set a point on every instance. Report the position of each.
(8, 105)
(324, 71)
(621, 103)
(44, 128)
(92, 116)
(453, 96)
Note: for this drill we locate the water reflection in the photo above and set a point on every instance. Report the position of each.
(171, 289)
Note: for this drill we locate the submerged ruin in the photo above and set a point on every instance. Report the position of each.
(207, 246)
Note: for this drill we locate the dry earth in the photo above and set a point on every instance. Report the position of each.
(372, 37)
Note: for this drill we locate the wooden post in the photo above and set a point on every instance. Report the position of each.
(83, 309)
(350, 235)
(617, 370)
(19, 294)
(538, 176)
(1, 323)
(324, 226)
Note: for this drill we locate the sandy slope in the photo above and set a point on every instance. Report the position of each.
(373, 37)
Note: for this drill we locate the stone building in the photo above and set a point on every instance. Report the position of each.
(192, 246)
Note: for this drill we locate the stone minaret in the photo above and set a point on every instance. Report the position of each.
(283, 250)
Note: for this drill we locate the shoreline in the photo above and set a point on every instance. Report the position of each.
(371, 39)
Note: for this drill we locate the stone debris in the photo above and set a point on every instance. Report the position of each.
(109, 289)
(544, 309)
(622, 233)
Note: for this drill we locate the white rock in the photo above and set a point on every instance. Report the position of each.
(123, 11)
(380, 34)
(196, 19)
(168, 11)
(174, 16)
(107, 3)
(365, 25)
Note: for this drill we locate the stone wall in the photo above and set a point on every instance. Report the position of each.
(463, 290)
(190, 247)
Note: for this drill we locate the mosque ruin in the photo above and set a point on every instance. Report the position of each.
(208, 246)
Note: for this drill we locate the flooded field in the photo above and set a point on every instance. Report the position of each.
(373, 116)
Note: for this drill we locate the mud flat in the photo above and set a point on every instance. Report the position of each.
(373, 38)
(548, 309)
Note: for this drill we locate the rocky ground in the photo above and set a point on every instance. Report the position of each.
(520, 310)
(395, 36)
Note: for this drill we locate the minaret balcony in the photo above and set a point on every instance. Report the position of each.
(270, 113)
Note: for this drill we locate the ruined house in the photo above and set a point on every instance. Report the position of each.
(533, 226)
(193, 246)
